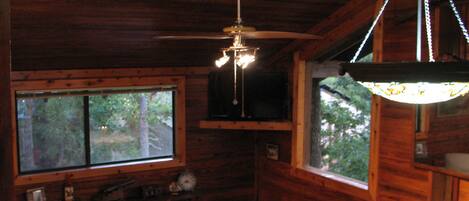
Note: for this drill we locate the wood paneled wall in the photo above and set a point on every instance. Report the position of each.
(398, 179)
(446, 134)
(464, 191)
(223, 161)
(278, 181)
(6, 157)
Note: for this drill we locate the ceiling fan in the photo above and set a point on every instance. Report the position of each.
(238, 30)
(243, 55)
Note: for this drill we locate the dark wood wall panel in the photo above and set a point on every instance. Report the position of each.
(58, 34)
(464, 190)
(6, 156)
(446, 134)
(277, 182)
(223, 161)
(398, 179)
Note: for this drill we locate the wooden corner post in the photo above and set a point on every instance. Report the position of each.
(301, 109)
(373, 166)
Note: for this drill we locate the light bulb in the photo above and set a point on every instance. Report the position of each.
(245, 60)
(222, 60)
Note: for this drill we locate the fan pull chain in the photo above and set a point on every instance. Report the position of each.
(243, 114)
(428, 26)
(235, 82)
(355, 57)
(460, 22)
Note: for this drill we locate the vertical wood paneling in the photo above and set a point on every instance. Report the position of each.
(223, 161)
(276, 181)
(6, 156)
(463, 190)
(398, 179)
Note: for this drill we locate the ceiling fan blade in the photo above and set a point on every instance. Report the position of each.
(279, 35)
(191, 36)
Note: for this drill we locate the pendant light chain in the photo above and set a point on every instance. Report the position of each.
(368, 34)
(428, 26)
(460, 22)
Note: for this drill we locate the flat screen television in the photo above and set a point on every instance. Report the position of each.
(265, 95)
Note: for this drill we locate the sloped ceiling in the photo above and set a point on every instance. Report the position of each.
(66, 34)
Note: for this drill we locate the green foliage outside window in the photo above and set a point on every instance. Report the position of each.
(122, 127)
(345, 128)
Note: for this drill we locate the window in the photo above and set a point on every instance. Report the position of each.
(340, 134)
(50, 132)
(58, 130)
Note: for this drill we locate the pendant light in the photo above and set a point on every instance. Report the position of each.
(413, 82)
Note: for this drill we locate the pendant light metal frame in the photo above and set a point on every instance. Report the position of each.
(410, 82)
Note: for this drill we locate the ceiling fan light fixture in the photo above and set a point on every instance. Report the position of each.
(222, 60)
(245, 59)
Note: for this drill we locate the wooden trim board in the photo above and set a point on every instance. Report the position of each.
(247, 125)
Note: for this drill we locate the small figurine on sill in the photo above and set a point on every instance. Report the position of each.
(68, 189)
(151, 191)
(174, 188)
(186, 182)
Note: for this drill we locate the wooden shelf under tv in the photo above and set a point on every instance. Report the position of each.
(247, 125)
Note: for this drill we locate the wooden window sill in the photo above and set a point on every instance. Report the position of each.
(333, 181)
(97, 171)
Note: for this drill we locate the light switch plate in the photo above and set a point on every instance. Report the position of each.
(271, 151)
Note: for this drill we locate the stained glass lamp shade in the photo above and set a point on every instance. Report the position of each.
(413, 82)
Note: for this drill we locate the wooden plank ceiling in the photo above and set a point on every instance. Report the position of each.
(64, 34)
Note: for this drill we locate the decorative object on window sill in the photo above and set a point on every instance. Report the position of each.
(242, 54)
(414, 83)
(68, 189)
(37, 194)
(174, 188)
(187, 181)
(151, 191)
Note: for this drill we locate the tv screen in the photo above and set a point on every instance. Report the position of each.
(265, 95)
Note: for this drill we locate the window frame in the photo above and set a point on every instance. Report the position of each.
(300, 154)
(179, 156)
(332, 175)
(87, 137)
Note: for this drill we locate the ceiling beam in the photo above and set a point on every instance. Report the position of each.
(335, 29)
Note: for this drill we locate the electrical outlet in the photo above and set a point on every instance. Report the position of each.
(271, 151)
